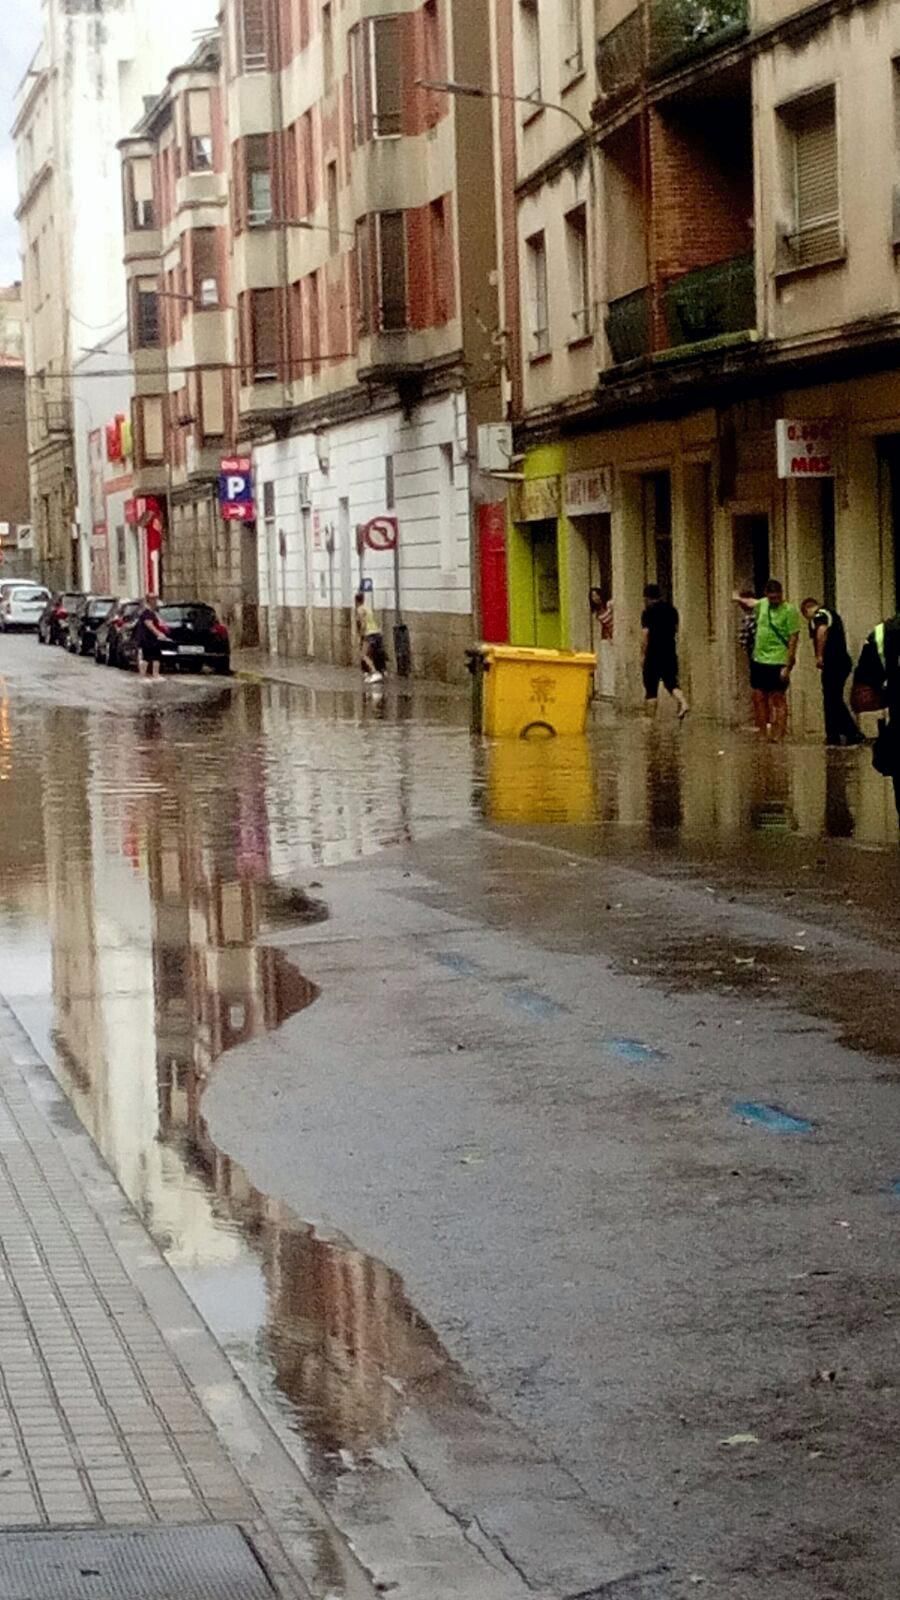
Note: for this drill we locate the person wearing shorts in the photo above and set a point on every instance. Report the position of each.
(774, 657)
(659, 649)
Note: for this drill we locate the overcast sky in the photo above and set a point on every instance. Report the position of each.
(18, 41)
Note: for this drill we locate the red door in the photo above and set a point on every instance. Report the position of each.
(492, 557)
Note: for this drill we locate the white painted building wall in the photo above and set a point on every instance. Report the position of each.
(347, 486)
(104, 62)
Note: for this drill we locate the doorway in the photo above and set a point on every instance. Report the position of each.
(656, 489)
(547, 623)
(889, 463)
(596, 531)
(752, 553)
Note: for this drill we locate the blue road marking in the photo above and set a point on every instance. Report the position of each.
(536, 1004)
(633, 1050)
(457, 963)
(772, 1118)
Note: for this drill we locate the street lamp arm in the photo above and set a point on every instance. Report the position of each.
(477, 91)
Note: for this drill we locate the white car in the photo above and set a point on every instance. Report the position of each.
(21, 605)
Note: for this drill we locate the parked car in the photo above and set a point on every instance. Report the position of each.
(53, 620)
(106, 642)
(83, 621)
(21, 605)
(195, 638)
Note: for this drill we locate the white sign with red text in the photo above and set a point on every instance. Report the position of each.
(806, 449)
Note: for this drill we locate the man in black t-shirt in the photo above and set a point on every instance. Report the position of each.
(876, 687)
(659, 650)
(826, 630)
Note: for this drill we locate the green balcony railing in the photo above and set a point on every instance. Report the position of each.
(628, 326)
(712, 301)
(682, 29)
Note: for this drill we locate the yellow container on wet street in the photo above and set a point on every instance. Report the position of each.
(533, 693)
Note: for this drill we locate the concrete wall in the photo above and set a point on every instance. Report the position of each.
(306, 588)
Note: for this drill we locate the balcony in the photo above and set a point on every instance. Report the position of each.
(682, 30)
(712, 302)
(628, 324)
(620, 57)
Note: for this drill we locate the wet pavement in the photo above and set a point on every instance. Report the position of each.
(522, 1120)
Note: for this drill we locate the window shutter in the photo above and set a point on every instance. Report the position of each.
(817, 189)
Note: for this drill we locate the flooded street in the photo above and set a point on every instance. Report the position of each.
(447, 1079)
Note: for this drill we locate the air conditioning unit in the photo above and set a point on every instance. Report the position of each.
(495, 446)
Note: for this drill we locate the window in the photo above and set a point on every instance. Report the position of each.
(200, 145)
(253, 36)
(376, 78)
(387, 63)
(205, 267)
(572, 41)
(139, 193)
(579, 273)
(529, 50)
(315, 328)
(327, 45)
(150, 427)
(536, 264)
(392, 271)
(259, 180)
(813, 179)
(334, 232)
(212, 403)
(146, 314)
(364, 276)
(263, 334)
(442, 266)
(307, 162)
(37, 289)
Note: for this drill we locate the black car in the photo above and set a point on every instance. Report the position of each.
(84, 620)
(106, 643)
(195, 638)
(52, 624)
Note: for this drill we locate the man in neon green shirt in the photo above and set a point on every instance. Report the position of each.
(778, 625)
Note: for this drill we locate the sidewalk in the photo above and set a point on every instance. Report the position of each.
(117, 1408)
(260, 666)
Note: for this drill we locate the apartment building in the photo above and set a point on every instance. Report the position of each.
(84, 89)
(181, 336)
(364, 274)
(702, 278)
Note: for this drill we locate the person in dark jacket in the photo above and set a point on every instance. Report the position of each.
(659, 649)
(834, 664)
(876, 687)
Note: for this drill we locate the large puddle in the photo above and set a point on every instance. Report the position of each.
(144, 859)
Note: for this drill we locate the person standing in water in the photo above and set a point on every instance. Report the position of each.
(372, 653)
(659, 649)
(774, 656)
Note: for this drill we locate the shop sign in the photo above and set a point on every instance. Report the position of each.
(589, 493)
(537, 500)
(806, 449)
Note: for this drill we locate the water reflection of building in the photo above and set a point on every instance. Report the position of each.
(157, 885)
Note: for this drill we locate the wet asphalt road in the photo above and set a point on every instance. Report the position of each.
(583, 1062)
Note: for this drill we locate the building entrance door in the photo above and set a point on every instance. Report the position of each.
(547, 628)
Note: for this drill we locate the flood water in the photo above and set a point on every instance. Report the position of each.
(143, 858)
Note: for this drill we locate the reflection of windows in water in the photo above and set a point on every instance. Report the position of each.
(548, 593)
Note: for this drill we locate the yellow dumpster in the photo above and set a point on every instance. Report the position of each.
(534, 693)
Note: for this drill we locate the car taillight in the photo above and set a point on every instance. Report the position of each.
(219, 630)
